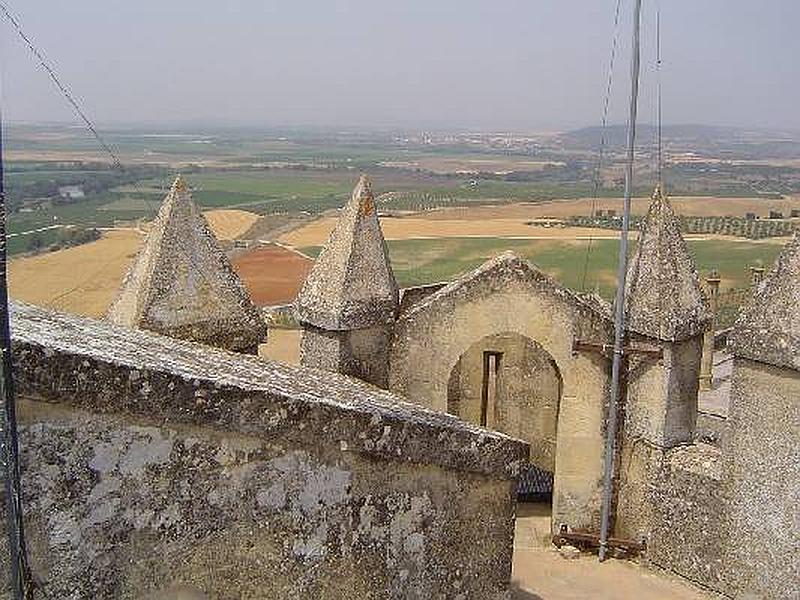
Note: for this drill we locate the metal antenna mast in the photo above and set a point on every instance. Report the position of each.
(660, 166)
(10, 454)
(619, 316)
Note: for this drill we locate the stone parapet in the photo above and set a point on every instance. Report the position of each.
(107, 369)
(159, 468)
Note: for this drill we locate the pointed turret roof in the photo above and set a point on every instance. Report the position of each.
(768, 329)
(663, 296)
(351, 285)
(181, 283)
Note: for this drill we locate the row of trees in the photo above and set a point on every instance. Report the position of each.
(92, 179)
(67, 237)
(734, 226)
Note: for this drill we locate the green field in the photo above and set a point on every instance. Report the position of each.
(418, 262)
(270, 191)
(300, 170)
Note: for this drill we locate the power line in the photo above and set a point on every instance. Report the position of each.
(660, 166)
(603, 130)
(116, 162)
(64, 90)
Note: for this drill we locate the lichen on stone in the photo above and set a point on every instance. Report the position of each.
(182, 284)
(663, 296)
(351, 285)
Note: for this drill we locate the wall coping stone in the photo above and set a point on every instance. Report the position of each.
(97, 366)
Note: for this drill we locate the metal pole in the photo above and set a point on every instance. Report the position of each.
(619, 317)
(10, 453)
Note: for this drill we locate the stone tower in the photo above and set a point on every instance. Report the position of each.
(182, 285)
(666, 311)
(349, 301)
(665, 307)
(762, 471)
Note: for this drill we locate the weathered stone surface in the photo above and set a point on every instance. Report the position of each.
(768, 330)
(662, 393)
(725, 517)
(508, 295)
(690, 525)
(762, 476)
(103, 368)
(120, 509)
(153, 465)
(360, 353)
(182, 284)
(351, 285)
(664, 298)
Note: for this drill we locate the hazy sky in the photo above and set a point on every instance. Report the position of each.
(492, 64)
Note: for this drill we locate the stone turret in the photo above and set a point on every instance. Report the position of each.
(664, 298)
(768, 329)
(350, 299)
(666, 312)
(182, 284)
(763, 434)
(666, 307)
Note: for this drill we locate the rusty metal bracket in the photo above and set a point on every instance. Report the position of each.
(591, 541)
(608, 349)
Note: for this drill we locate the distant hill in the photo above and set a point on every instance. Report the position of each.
(733, 142)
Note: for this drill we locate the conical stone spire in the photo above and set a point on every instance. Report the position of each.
(663, 296)
(351, 285)
(768, 329)
(181, 283)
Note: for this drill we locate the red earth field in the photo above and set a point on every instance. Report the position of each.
(272, 273)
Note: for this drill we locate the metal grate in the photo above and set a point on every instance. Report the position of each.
(535, 482)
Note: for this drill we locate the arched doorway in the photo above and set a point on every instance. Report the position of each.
(508, 294)
(509, 383)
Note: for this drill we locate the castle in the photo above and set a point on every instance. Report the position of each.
(508, 348)
(156, 462)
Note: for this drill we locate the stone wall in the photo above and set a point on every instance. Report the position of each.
(690, 527)
(152, 465)
(725, 517)
(762, 468)
(508, 295)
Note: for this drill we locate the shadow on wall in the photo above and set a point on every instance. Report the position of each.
(517, 593)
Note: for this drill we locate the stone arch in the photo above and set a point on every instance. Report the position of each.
(525, 394)
(509, 295)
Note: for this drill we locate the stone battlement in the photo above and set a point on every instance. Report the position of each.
(156, 468)
(107, 369)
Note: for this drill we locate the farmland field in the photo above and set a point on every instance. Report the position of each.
(449, 201)
(81, 280)
(273, 275)
(512, 220)
(421, 261)
(230, 224)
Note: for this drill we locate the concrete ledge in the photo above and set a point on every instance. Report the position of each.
(102, 368)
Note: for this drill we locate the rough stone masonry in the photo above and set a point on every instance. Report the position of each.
(182, 284)
(152, 465)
